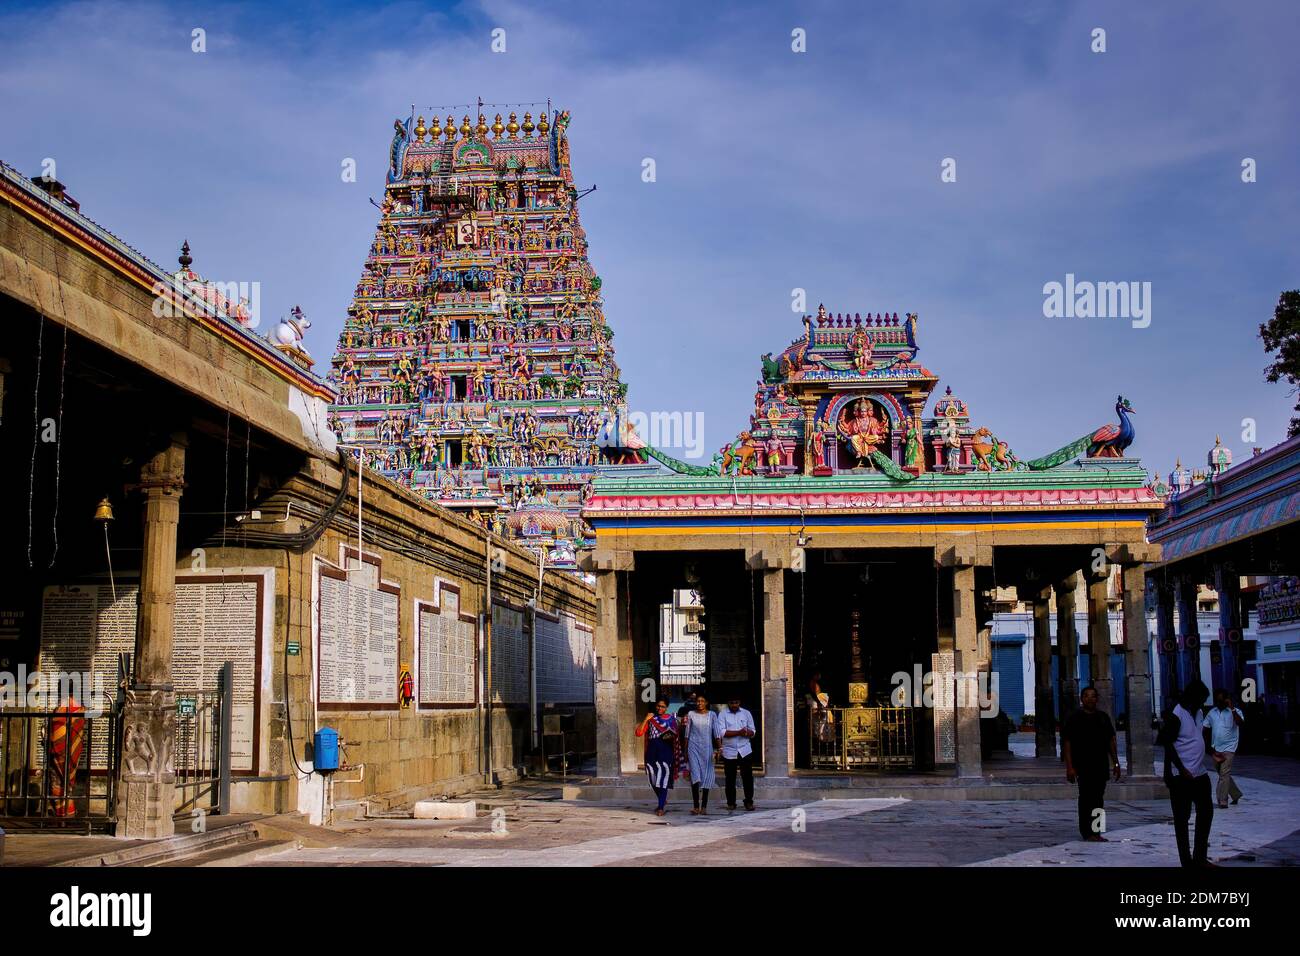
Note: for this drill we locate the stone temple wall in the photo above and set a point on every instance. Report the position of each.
(408, 753)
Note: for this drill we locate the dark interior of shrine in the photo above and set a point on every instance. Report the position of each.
(90, 419)
(894, 595)
(890, 598)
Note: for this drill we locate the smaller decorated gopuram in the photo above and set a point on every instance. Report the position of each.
(861, 527)
(475, 365)
(849, 397)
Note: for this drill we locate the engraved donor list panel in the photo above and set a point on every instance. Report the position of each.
(448, 653)
(356, 640)
(218, 618)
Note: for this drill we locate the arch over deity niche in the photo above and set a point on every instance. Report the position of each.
(472, 152)
(863, 424)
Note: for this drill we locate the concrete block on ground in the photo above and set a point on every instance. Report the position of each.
(446, 810)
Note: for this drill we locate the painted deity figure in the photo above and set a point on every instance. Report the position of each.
(914, 447)
(951, 435)
(863, 431)
(861, 352)
(772, 448)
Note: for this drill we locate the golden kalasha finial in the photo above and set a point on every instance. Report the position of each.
(480, 131)
(435, 130)
(451, 127)
(497, 128)
(420, 130)
(512, 127)
(528, 126)
(542, 125)
(465, 128)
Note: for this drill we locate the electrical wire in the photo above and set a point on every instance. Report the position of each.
(58, 449)
(288, 704)
(36, 437)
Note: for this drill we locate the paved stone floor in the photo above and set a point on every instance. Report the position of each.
(529, 827)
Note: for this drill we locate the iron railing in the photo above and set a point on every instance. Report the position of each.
(202, 752)
(47, 776)
(862, 738)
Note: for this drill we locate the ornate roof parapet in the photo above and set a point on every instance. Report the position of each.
(1219, 458)
(849, 397)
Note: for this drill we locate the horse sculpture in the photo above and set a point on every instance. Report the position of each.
(990, 453)
(738, 457)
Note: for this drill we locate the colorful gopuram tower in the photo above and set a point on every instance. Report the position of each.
(475, 365)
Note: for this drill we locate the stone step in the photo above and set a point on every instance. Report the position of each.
(242, 854)
(172, 849)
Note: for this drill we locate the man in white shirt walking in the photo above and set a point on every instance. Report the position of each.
(735, 727)
(1221, 727)
(1186, 775)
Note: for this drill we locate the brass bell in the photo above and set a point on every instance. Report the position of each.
(104, 511)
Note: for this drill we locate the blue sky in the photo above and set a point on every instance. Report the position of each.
(775, 170)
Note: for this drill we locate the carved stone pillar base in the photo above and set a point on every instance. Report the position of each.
(147, 777)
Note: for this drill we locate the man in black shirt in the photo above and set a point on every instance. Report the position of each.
(1088, 740)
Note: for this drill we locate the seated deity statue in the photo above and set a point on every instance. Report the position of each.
(863, 431)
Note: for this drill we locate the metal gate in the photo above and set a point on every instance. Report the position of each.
(862, 738)
(58, 768)
(202, 751)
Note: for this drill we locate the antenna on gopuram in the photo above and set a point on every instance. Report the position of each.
(585, 192)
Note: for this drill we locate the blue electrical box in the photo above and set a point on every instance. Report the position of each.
(325, 749)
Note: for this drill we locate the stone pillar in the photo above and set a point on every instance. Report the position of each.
(810, 460)
(1140, 745)
(147, 776)
(1044, 705)
(1228, 675)
(776, 752)
(1099, 642)
(1067, 647)
(1189, 634)
(605, 639)
(1168, 638)
(630, 706)
(966, 641)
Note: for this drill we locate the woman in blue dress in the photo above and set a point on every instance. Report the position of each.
(702, 746)
(660, 732)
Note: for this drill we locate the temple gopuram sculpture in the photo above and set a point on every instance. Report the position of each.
(849, 397)
(475, 365)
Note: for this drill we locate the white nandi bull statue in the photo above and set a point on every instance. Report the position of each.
(287, 334)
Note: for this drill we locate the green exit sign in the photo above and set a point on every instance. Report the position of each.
(294, 648)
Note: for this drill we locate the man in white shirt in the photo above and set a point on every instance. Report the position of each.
(735, 727)
(1186, 775)
(1221, 729)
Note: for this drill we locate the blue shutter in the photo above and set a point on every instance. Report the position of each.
(1008, 662)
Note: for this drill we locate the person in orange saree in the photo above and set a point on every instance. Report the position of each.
(67, 739)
